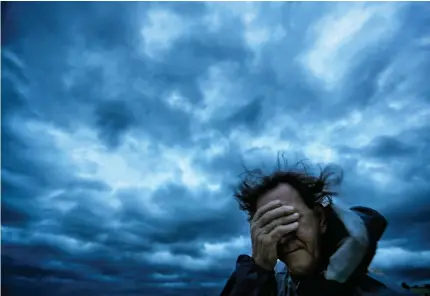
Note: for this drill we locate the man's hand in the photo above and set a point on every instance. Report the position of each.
(270, 223)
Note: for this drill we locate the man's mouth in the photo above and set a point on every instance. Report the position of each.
(289, 251)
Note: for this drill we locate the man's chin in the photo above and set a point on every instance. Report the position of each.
(299, 263)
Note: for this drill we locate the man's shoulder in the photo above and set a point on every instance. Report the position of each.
(372, 284)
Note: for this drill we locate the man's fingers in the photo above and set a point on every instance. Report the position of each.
(284, 220)
(286, 238)
(267, 207)
(271, 215)
(282, 230)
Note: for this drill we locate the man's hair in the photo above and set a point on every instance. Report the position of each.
(313, 189)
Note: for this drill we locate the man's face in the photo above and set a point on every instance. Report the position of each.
(300, 251)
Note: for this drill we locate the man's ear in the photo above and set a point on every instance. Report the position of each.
(322, 218)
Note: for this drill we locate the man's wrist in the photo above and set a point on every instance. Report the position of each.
(259, 264)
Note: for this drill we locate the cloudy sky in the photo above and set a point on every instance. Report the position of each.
(125, 126)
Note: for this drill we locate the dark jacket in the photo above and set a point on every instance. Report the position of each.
(251, 280)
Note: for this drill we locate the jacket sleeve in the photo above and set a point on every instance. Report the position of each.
(353, 248)
(375, 224)
(249, 279)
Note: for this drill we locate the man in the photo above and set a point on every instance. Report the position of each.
(303, 244)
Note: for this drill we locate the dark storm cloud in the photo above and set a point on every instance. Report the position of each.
(248, 115)
(113, 118)
(389, 148)
(111, 35)
(101, 101)
(183, 219)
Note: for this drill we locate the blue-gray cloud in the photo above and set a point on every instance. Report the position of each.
(125, 127)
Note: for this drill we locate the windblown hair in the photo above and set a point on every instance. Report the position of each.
(314, 189)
